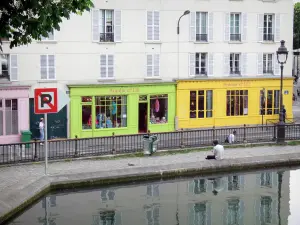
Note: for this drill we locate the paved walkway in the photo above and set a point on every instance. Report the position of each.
(20, 183)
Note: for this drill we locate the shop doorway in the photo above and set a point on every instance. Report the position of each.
(143, 117)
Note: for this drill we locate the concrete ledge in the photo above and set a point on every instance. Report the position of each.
(14, 201)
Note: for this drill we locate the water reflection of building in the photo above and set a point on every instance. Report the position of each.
(252, 199)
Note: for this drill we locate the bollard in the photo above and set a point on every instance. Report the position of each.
(245, 134)
(113, 143)
(35, 149)
(181, 138)
(76, 146)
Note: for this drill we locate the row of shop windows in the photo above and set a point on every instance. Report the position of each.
(111, 111)
(8, 117)
(201, 103)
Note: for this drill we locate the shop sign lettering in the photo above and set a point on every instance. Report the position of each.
(243, 83)
(124, 90)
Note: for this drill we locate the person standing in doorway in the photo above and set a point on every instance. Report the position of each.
(42, 130)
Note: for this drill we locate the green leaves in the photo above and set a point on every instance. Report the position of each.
(296, 26)
(25, 20)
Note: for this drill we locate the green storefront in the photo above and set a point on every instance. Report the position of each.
(100, 110)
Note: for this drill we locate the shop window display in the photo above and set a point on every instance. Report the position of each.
(110, 111)
(269, 104)
(158, 109)
(237, 103)
(201, 104)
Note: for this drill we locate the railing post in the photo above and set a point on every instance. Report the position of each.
(35, 149)
(76, 146)
(113, 143)
(181, 138)
(274, 132)
(245, 134)
(214, 133)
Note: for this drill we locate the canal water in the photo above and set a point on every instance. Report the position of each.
(261, 198)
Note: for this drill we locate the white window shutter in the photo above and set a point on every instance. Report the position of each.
(51, 67)
(149, 25)
(260, 64)
(44, 66)
(101, 22)
(211, 26)
(244, 68)
(276, 65)
(13, 67)
(149, 65)
(110, 66)
(103, 66)
(192, 62)
(156, 24)
(260, 27)
(226, 27)
(211, 64)
(193, 26)
(244, 26)
(156, 69)
(277, 27)
(226, 64)
(95, 25)
(118, 25)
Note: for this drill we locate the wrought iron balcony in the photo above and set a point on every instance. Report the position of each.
(4, 75)
(268, 71)
(235, 37)
(268, 37)
(235, 72)
(201, 37)
(106, 37)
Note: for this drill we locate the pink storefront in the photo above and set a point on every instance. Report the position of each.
(14, 113)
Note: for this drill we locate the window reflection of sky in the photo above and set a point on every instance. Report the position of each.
(294, 218)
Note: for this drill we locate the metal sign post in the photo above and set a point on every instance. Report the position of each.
(48, 100)
(46, 143)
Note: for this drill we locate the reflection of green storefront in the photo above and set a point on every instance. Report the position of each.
(100, 110)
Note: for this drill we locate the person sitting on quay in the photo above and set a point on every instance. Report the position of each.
(230, 138)
(218, 151)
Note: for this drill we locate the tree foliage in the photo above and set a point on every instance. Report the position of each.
(22, 21)
(297, 26)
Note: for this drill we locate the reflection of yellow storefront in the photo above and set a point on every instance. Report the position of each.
(230, 102)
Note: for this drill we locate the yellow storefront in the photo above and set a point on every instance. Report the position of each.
(231, 102)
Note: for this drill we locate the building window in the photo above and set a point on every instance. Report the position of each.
(106, 66)
(9, 117)
(237, 103)
(107, 195)
(107, 217)
(153, 64)
(199, 214)
(158, 109)
(266, 210)
(233, 213)
(8, 67)
(201, 104)
(266, 179)
(106, 25)
(153, 30)
(268, 64)
(47, 67)
(153, 190)
(152, 214)
(235, 27)
(233, 183)
(199, 186)
(269, 105)
(49, 37)
(201, 26)
(201, 64)
(268, 34)
(235, 63)
(86, 112)
(110, 111)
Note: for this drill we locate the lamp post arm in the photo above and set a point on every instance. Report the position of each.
(178, 24)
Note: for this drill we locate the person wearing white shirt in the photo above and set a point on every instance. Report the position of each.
(42, 130)
(218, 151)
(231, 137)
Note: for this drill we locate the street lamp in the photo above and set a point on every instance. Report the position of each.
(282, 55)
(186, 12)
